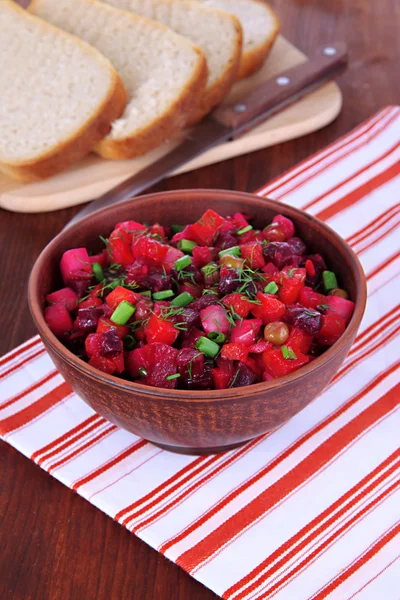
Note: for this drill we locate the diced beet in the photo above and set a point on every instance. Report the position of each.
(234, 351)
(213, 318)
(270, 269)
(229, 280)
(244, 376)
(121, 294)
(198, 382)
(190, 337)
(189, 316)
(202, 255)
(259, 347)
(306, 319)
(105, 324)
(152, 277)
(311, 299)
(333, 326)
(110, 344)
(225, 240)
(192, 288)
(131, 228)
(340, 306)
(319, 267)
(185, 234)
(58, 319)
(120, 248)
(253, 255)
(282, 254)
(107, 365)
(269, 308)
(100, 258)
(291, 283)
(297, 246)
(241, 220)
(278, 366)
(160, 330)
(245, 332)
(149, 248)
(190, 362)
(93, 344)
(76, 270)
(172, 256)
(206, 228)
(285, 224)
(204, 301)
(143, 308)
(239, 303)
(91, 302)
(65, 296)
(299, 341)
(87, 318)
(158, 360)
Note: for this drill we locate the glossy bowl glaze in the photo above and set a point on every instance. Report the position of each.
(197, 422)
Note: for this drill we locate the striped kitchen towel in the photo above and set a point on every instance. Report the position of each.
(311, 510)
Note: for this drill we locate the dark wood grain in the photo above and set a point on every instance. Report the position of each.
(200, 422)
(54, 545)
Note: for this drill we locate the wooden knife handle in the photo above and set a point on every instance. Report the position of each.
(276, 90)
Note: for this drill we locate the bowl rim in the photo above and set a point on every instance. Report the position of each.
(173, 395)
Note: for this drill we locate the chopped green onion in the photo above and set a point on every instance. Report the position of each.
(245, 230)
(233, 251)
(142, 372)
(288, 353)
(207, 347)
(174, 376)
(186, 246)
(98, 271)
(182, 300)
(177, 228)
(330, 281)
(182, 262)
(146, 293)
(163, 295)
(216, 336)
(271, 288)
(122, 313)
(129, 342)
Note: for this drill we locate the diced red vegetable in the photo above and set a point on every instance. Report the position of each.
(311, 299)
(234, 351)
(120, 247)
(245, 332)
(253, 255)
(206, 228)
(270, 308)
(340, 306)
(104, 324)
(278, 366)
(333, 326)
(285, 224)
(299, 341)
(160, 330)
(65, 296)
(121, 294)
(213, 318)
(149, 248)
(239, 303)
(58, 319)
(157, 360)
(292, 282)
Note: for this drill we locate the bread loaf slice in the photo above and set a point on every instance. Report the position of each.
(164, 74)
(218, 34)
(58, 96)
(260, 27)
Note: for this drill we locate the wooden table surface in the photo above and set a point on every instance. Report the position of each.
(53, 544)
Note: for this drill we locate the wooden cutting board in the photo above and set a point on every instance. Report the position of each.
(93, 176)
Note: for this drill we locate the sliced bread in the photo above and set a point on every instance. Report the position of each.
(164, 74)
(218, 34)
(58, 96)
(260, 27)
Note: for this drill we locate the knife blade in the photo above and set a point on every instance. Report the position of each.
(229, 121)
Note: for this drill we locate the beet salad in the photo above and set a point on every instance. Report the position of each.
(211, 305)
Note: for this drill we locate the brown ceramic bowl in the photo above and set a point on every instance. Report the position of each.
(195, 421)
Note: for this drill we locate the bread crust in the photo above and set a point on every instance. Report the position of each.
(81, 142)
(253, 60)
(165, 126)
(216, 93)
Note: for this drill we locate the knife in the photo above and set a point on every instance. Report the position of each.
(229, 121)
